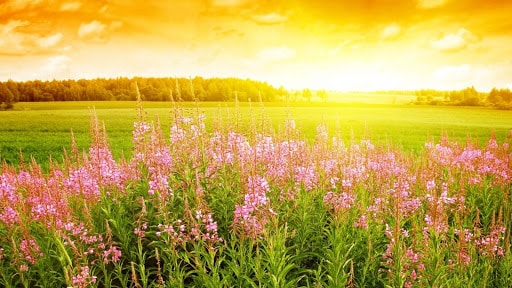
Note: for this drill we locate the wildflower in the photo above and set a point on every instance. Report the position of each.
(252, 216)
(83, 279)
(361, 223)
(113, 254)
(30, 251)
(339, 203)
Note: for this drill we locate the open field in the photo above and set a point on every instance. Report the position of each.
(237, 206)
(44, 129)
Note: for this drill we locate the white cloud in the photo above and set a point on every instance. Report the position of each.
(391, 31)
(11, 41)
(97, 31)
(50, 41)
(70, 6)
(56, 63)
(55, 67)
(12, 25)
(92, 30)
(14, 40)
(269, 19)
(455, 41)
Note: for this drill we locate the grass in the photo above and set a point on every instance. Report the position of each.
(43, 130)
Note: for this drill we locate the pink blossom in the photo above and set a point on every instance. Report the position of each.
(83, 278)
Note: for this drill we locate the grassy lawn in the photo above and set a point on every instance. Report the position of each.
(42, 130)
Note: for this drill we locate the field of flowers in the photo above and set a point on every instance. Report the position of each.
(255, 208)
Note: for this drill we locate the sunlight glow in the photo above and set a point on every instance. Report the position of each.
(342, 45)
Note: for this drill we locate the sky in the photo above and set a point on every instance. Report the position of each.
(341, 45)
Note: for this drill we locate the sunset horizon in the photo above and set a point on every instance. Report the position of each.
(341, 46)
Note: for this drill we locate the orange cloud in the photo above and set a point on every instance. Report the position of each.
(96, 31)
(14, 40)
(70, 6)
(19, 4)
(50, 41)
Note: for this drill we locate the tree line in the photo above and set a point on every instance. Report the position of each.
(500, 98)
(212, 89)
(151, 89)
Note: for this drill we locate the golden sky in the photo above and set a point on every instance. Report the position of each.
(332, 44)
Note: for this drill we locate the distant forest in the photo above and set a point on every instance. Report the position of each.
(213, 89)
(151, 89)
(500, 98)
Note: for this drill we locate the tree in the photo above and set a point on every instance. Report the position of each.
(470, 96)
(322, 94)
(494, 97)
(283, 94)
(306, 93)
(506, 95)
(6, 96)
(14, 88)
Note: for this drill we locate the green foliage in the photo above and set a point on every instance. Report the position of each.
(151, 89)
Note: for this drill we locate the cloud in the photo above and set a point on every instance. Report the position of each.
(55, 67)
(428, 4)
(455, 41)
(11, 41)
(50, 41)
(94, 30)
(16, 40)
(97, 31)
(70, 6)
(269, 19)
(390, 32)
(19, 4)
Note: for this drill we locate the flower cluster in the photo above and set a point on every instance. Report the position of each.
(252, 216)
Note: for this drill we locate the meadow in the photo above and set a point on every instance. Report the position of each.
(43, 129)
(215, 195)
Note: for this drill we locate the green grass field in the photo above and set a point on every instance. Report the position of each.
(43, 130)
